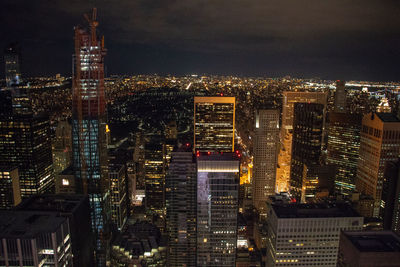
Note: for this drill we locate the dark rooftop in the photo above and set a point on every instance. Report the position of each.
(388, 117)
(320, 210)
(55, 203)
(374, 241)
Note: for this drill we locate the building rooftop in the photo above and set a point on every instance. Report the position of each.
(388, 117)
(320, 210)
(218, 156)
(27, 224)
(374, 241)
(54, 203)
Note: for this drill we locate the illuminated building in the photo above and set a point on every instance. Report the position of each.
(154, 177)
(65, 181)
(76, 209)
(391, 197)
(34, 239)
(89, 128)
(369, 249)
(343, 146)
(214, 124)
(118, 195)
(288, 101)
(12, 69)
(380, 143)
(307, 142)
(308, 234)
(10, 193)
(217, 208)
(180, 193)
(266, 140)
(25, 144)
(62, 147)
(340, 97)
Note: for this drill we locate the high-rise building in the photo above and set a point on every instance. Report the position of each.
(343, 146)
(308, 234)
(369, 249)
(76, 209)
(89, 128)
(380, 143)
(217, 208)
(180, 191)
(266, 140)
(391, 196)
(214, 124)
(340, 97)
(118, 195)
(10, 192)
(25, 144)
(306, 144)
(12, 68)
(34, 239)
(285, 154)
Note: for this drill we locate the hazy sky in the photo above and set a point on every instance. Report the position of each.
(331, 39)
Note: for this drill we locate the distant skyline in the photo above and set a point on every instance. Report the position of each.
(330, 39)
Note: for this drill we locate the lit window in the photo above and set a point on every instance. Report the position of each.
(65, 182)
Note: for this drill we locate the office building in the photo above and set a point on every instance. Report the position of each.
(89, 128)
(217, 208)
(34, 239)
(391, 196)
(76, 210)
(65, 181)
(12, 67)
(307, 142)
(340, 97)
(25, 144)
(369, 249)
(214, 124)
(10, 192)
(118, 195)
(343, 147)
(308, 234)
(266, 140)
(180, 191)
(380, 143)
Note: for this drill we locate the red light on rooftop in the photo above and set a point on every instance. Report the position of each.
(187, 144)
(221, 94)
(208, 152)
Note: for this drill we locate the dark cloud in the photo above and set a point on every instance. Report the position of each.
(328, 38)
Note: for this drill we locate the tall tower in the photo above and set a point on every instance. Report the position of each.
(11, 60)
(380, 143)
(217, 208)
(266, 139)
(340, 97)
(307, 142)
(89, 127)
(343, 147)
(214, 124)
(180, 190)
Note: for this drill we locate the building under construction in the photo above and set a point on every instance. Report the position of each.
(89, 127)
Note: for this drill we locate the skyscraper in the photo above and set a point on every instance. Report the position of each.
(89, 127)
(266, 140)
(62, 147)
(217, 208)
(391, 197)
(10, 193)
(12, 68)
(343, 146)
(380, 143)
(25, 144)
(307, 142)
(118, 195)
(340, 97)
(180, 190)
(214, 124)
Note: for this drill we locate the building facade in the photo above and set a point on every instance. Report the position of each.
(217, 208)
(343, 147)
(214, 124)
(340, 97)
(307, 235)
(12, 67)
(10, 192)
(380, 143)
(266, 140)
(118, 195)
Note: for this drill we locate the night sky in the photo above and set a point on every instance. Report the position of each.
(330, 39)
